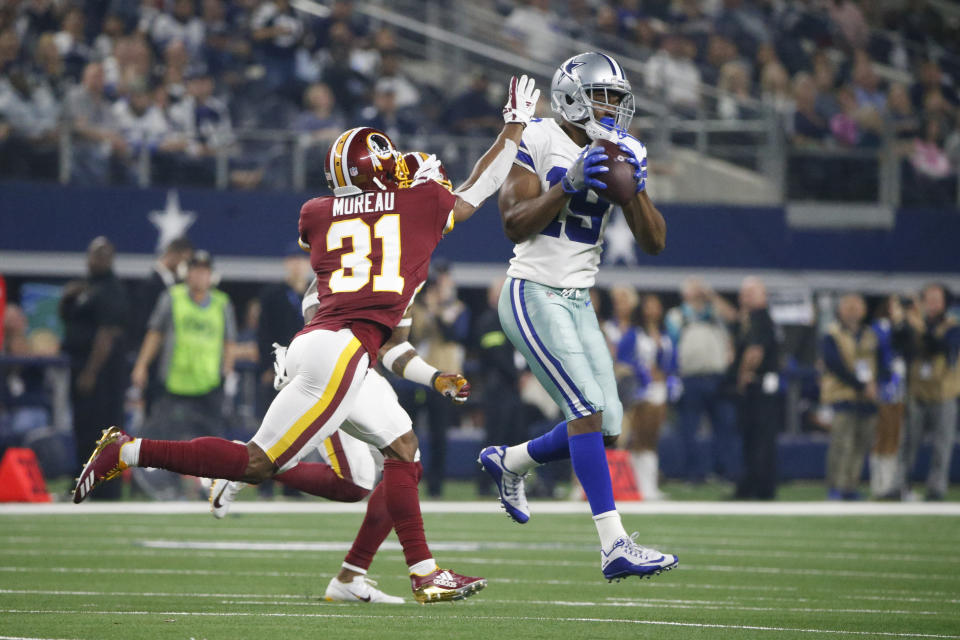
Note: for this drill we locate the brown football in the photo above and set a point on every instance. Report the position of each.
(621, 186)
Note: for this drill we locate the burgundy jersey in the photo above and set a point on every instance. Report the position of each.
(371, 253)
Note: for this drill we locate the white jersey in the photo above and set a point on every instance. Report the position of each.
(566, 254)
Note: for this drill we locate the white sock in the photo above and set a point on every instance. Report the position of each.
(424, 567)
(354, 568)
(130, 453)
(518, 460)
(609, 528)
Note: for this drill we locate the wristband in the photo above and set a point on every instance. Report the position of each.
(417, 370)
(395, 352)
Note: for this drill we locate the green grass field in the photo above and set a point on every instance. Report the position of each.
(189, 576)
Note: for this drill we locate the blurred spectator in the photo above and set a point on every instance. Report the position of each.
(736, 102)
(775, 90)
(720, 51)
(36, 17)
(672, 74)
(391, 71)
(348, 85)
(648, 353)
(472, 112)
(131, 60)
(114, 29)
(277, 29)
(855, 126)
(825, 77)
(931, 179)
(702, 342)
(181, 24)
(95, 315)
(903, 118)
(175, 69)
(441, 325)
(169, 269)
(809, 126)
(890, 410)
(205, 122)
(930, 79)
(866, 85)
(853, 362)
(755, 367)
(849, 20)
(499, 378)
(930, 342)
(743, 23)
(144, 128)
(534, 30)
(71, 41)
(96, 137)
(624, 301)
(318, 124)
(30, 105)
(192, 329)
(952, 145)
(384, 114)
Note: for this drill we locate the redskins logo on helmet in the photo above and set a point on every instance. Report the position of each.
(413, 160)
(363, 159)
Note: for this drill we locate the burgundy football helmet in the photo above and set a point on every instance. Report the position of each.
(363, 159)
(412, 159)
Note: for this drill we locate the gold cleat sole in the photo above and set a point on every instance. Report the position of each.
(108, 437)
(431, 595)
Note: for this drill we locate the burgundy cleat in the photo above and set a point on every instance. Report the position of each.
(104, 463)
(443, 585)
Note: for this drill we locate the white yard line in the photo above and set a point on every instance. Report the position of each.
(475, 618)
(492, 507)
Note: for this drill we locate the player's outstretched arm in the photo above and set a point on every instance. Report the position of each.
(491, 170)
(398, 355)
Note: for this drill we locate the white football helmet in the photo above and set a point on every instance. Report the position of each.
(586, 82)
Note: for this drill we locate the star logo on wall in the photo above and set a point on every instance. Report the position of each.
(619, 243)
(172, 222)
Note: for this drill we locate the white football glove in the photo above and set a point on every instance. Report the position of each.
(521, 101)
(429, 170)
(280, 377)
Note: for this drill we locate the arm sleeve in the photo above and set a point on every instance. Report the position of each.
(835, 364)
(302, 239)
(162, 316)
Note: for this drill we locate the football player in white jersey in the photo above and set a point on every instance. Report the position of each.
(551, 211)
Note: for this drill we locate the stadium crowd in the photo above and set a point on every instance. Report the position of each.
(177, 80)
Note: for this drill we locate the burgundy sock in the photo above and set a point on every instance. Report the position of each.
(201, 457)
(403, 502)
(374, 530)
(319, 479)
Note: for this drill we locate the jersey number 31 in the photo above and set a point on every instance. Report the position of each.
(355, 266)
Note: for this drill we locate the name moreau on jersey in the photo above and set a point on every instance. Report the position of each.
(368, 202)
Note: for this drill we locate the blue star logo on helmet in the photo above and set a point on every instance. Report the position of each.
(573, 64)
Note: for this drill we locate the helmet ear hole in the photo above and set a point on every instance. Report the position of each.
(568, 98)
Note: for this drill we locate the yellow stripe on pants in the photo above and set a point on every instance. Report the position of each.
(332, 455)
(301, 425)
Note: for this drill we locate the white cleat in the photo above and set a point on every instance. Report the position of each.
(222, 495)
(361, 589)
(627, 558)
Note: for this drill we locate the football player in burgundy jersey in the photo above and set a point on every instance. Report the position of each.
(370, 246)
